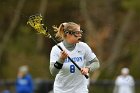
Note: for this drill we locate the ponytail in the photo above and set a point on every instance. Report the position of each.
(59, 32)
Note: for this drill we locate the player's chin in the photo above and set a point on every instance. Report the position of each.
(78, 41)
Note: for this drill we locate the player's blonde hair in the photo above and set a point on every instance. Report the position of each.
(60, 31)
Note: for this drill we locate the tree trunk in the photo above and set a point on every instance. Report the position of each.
(10, 30)
(116, 49)
(91, 32)
(40, 39)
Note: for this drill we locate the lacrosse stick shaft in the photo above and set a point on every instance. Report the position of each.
(68, 56)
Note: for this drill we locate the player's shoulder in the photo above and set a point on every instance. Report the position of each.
(119, 77)
(56, 46)
(82, 44)
(129, 76)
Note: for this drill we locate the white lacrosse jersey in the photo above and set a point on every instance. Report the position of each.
(69, 79)
(125, 84)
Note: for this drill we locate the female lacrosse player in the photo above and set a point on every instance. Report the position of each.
(68, 78)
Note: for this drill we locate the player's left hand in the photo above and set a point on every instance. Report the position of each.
(84, 70)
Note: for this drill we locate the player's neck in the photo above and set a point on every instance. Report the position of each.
(68, 46)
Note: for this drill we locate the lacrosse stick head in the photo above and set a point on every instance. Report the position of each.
(35, 21)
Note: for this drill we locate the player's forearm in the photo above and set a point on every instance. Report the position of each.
(94, 64)
(53, 69)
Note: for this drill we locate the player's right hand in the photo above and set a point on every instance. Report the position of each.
(63, 55)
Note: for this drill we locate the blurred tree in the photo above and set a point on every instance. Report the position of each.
(42, 11)
(10, 30)
(109, 53)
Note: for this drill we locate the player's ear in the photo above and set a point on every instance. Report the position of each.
(64, 28)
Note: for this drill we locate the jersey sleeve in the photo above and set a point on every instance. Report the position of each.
(54, 55)
(89, 55)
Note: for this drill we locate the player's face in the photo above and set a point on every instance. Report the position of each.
(76, 36)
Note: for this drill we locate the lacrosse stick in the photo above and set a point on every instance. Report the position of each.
(35, 21)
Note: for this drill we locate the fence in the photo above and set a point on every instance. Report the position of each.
(44, 86)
